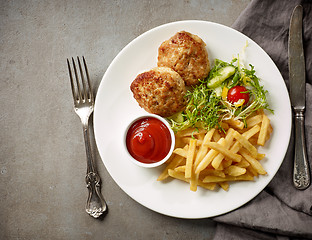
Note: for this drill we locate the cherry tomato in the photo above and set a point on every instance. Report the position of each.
(236, 93)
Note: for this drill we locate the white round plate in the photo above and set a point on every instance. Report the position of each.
(115, 107)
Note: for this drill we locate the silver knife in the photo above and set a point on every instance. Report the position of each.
(301, 174)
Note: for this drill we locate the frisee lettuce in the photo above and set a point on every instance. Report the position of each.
(206, 108)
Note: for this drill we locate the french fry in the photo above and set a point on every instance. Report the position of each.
(200, 136)
(216, 179)
(221, 149)
(177, 175)
(212, 172)
(220, 168)
(190, 132)
(244, 177)
(226, 163)
(243, 164)
(181, 151)
(224, 185)
(252, 171)
(260, 156)
(194, 181)
(181, 176)
(216, 136)
(190, 158)
(251, 132)
(248, 134)
(224, 125)
(203, 149)
(194, 178)
(208, 158)
(252, 121)
(235, 171)
(216, 162)
(228, 142)
(180, 169)
(245, 143)
(237, 124)
(264, 130)
(176, 160)
(179, 143)
(253, 140)
(187, 140)
(209, 186)
(253, 162)
(270, 130)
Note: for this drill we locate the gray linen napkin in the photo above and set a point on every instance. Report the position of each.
(280, 211)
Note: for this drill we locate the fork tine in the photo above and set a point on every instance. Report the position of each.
(88, 80)
(84, 90)
(78, 95)
(71, 80)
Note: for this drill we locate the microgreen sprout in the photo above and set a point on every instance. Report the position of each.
(205, 106)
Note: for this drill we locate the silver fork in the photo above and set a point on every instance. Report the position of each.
(84, 105)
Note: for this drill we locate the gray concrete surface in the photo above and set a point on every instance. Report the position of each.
(42, 156)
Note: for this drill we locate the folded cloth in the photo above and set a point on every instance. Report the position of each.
(280, 211)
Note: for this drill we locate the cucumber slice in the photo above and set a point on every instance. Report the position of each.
(223, 74)
(177, 117)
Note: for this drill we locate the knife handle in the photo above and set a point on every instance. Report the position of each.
(301, 174)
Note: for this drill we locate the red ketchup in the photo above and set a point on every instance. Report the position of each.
(148, 140)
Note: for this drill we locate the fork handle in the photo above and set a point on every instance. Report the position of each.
(90, 163)
(95, 203)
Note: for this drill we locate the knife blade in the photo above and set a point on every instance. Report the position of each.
(301, 171)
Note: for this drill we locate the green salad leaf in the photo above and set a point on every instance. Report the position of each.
(206, 106)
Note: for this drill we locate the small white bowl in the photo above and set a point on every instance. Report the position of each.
(155, 164)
